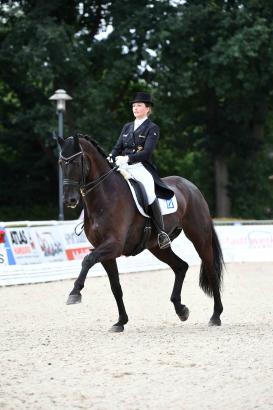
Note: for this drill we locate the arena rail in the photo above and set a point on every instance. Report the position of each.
(42, 251)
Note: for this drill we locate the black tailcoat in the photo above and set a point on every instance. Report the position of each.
(139, 146)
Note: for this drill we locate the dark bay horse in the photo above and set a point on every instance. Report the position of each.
(114, 226)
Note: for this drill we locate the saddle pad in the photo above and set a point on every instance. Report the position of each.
(168, 206)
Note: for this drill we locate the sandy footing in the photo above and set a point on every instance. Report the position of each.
(55, 356)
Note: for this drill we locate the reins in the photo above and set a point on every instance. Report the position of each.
(93, 184)
(90, 186)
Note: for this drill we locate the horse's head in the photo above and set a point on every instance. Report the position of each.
(71, 161)
(81, 162)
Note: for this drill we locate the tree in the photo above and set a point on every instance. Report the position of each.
(215, 69)
(208, 64)
(50, 45)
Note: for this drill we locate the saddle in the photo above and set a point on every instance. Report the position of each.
(141, 195)
(141, 201)
(168, 206)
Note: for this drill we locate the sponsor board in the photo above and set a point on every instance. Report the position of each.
(77, 253)
(242, 243)
(50, 243)
(23, 245)
(3, 255)
(31, 245)
(39, 244)
(76, 245)
(6, 257)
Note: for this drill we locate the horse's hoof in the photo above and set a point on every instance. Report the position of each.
(215, 321)
(184, 314)
(72, 299)
(116, 329)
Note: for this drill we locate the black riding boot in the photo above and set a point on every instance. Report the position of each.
(162, 238)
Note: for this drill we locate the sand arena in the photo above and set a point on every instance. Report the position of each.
(55, 356)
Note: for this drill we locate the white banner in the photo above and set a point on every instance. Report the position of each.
(3, 255)
(246, 243)
(76, 246)
(23, 245)
(50, 243)
(55, 252)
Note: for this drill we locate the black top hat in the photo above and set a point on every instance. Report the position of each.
(142, 97)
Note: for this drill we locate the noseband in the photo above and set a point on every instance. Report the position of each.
(83, 187)
(67, 161)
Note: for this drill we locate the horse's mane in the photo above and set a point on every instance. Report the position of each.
(95, 143)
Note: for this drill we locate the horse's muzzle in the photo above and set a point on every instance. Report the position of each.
(72, 203)
(71, 199)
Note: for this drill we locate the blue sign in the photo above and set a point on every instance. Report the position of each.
(8, 248)
(169, 203)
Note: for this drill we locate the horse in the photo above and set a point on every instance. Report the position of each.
(114, 226)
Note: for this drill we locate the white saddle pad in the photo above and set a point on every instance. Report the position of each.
(168, 206)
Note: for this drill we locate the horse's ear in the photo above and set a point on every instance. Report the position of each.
(76, 143)
(60, 141)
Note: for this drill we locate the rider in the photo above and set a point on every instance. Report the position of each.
(133, 151)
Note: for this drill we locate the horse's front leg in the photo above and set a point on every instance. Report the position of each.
(103, 252)
(113, 275)
(75, 295)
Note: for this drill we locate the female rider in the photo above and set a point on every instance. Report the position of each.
(133, 152)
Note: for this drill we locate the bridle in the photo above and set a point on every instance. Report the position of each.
(85, 188)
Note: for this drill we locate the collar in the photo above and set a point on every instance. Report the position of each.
(137, 123)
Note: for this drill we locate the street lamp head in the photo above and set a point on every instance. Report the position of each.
(60, 97)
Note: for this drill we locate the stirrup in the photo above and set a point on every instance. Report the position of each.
(163, 240)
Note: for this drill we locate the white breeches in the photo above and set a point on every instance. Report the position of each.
(140, 173)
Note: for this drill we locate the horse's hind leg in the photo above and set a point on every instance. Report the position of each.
(180, 268)
(113, 275)
(210, 283)
(211, 271)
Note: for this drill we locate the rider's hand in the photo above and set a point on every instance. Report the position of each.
(110, 159)
(122, 160)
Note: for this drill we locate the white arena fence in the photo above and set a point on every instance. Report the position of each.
(43, 251)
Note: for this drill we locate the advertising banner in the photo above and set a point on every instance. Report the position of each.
(76, 246)
(31, 245)
(3, 253)
(6, 254)
(3, 256)
(23, 246)
(50, 243)
(64, 249)
(246, 243)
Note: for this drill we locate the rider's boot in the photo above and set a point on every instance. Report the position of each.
(162, 238)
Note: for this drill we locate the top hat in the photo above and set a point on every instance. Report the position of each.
(142, 97)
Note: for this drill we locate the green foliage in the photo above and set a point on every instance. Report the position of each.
(215, 68)
(252, 192)
(208, 64)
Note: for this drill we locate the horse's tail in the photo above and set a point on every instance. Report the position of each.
(207, 277)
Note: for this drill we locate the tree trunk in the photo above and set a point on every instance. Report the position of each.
(223, 203)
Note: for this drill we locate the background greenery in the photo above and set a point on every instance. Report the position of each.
(208, 64)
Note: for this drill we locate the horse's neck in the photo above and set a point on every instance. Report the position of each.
(110, 186)
(97, 165)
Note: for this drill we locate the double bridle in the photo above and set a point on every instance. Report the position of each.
(83, 187)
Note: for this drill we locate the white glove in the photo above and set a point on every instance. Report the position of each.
(110, 159)
(124, 173)
(122, 160)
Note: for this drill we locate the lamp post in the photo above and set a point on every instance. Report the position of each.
(60, 97)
